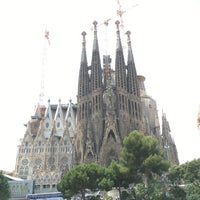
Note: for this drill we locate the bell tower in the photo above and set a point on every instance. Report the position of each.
(108, 103)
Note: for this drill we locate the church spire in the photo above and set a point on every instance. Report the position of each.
(83, 83)
(171, 153)
(96, 71)
(132, 85)
(95, 42)
(120, 68)
(83, 56)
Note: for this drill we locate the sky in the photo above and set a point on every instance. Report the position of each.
(165, 36)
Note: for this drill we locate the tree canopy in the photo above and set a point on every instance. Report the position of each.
(83, 177)
(141, 161)
(143, 156)
(119, 175)
(185, 180)
(4, 187)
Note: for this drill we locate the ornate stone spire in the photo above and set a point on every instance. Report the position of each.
(83, 57)
(119, 45)
(48, 113)
(95, 43)
(83, 83)
(132, 85)
(120, 68)
(96, 71)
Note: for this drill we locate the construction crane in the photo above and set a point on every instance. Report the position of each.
(47, 36)
(40, 108)
(44, 63)
(120, 13)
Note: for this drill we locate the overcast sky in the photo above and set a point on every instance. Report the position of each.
(165, 38)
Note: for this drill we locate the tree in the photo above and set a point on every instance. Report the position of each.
(140, 191)
(4, 187)
(155, 190)
(175, 174)
(185, 180)
(106, 182)
(177, 193)
(192, 191)
(191, 179)
(143, 156)
(119, 174)
(82, 177)
(191, 171)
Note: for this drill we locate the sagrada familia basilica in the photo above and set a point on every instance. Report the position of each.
(111, 102)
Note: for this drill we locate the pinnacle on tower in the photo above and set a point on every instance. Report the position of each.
(120, 67)
(83, 82)
(132, 83)
(96, 71)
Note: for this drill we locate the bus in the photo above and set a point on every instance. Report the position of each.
(46, 196)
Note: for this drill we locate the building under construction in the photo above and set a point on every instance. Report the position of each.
(111, 102)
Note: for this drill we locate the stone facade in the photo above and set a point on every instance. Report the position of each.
(111, 103)
(45, 152)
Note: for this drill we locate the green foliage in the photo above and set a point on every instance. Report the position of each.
(119, 174)
(177, 193)
(80, 178)
(193, 197)
(140, 191)
(193, 190)
(142, 155)
(191, 171)
(175, 174)
(4, 187)
(187, 175)
(154, 190)
(106, 183)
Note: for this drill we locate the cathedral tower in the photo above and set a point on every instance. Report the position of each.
(111, 102)
(108, 103)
